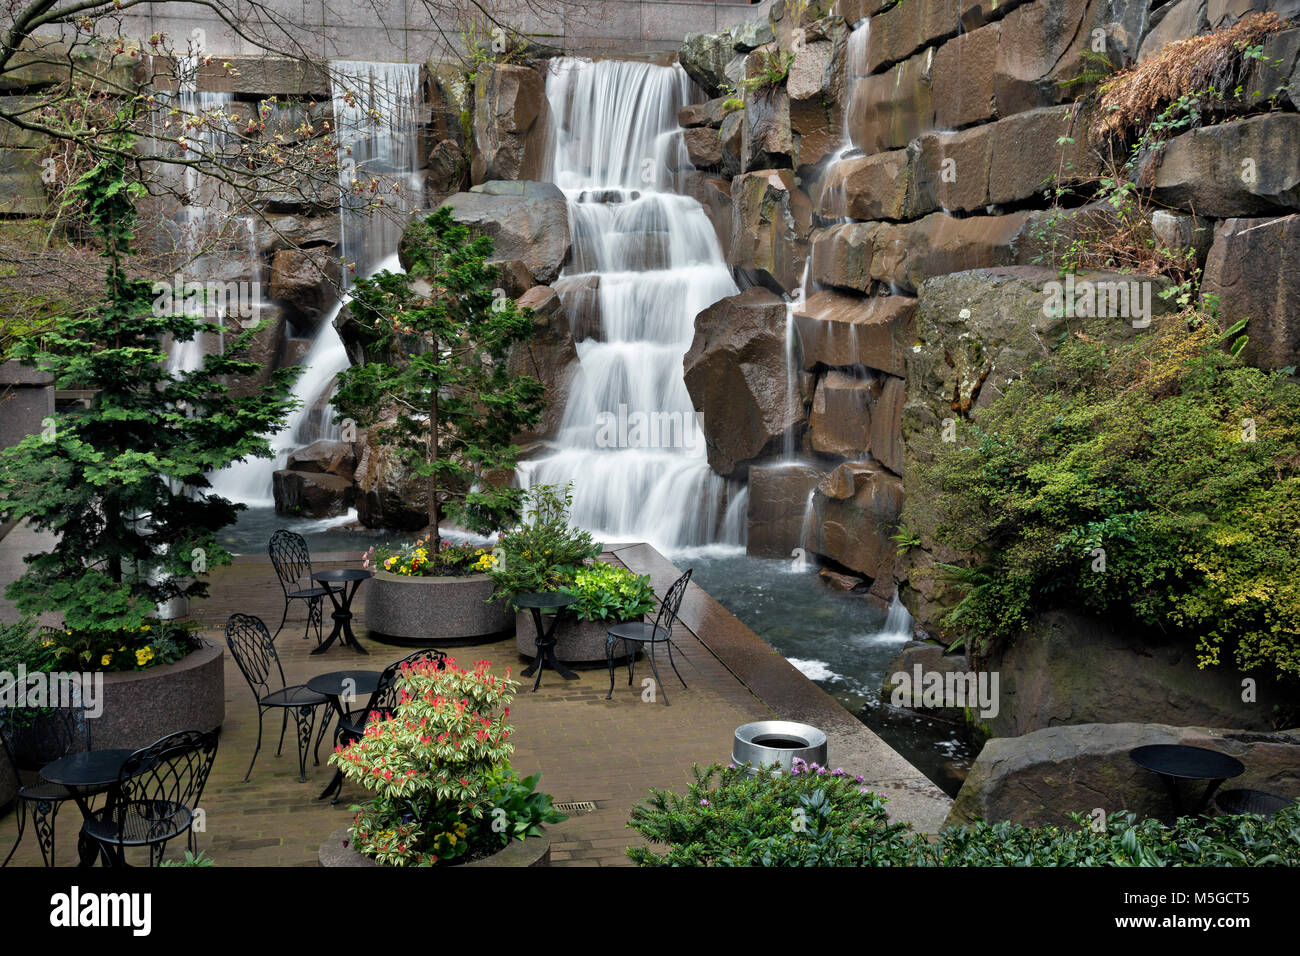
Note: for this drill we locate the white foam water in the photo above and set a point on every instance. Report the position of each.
(657, 263)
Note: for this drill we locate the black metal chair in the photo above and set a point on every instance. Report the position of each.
(29, 747)
(253, 649)
(642, 632)
(1250, 801)
(292, 562)
(383, 702)
(158, 792)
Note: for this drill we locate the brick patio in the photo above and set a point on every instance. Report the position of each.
(587, 749)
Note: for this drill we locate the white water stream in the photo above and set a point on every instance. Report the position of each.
(655, 262)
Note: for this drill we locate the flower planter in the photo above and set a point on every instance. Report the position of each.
(401, 609)
(535, 851)
(142, 706)
(576, 642)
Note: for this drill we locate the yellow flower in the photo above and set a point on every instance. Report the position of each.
(106, 659)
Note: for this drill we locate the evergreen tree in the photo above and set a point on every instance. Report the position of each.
(436, 342)
(121, 482)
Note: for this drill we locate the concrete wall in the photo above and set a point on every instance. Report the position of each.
(404, 30)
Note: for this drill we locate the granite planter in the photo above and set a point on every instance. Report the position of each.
(412, 610)
(535, 851)
(142, 706)
(576, 641)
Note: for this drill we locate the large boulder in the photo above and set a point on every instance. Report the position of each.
(854, 513)
(814, 87)
(736, 374)
(779, 503)
(510, 123)
(771, 220)
(1040, 778)
(1254, 269)
(528, 221)
(1244, 168)
(311, 494)
(549, 356)
(704, 57)
(839, 422)
(387, 495)
(1071, 668)
(766, 139)
(841, 255)
(879, 186)
(836, 329)
(446, 172)
(325, 457)
(305, 281)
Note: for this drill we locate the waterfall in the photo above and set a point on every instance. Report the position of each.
(855, 74)
(898, 625)
(650, 261)
(376, 118)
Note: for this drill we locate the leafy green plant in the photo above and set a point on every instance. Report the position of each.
(437, 341)
(904, 539)
(732, 104)
(191, 859)
(609, 593)
(728, 817)
(544, 551)
(152, 644)
(122, 482)
(770, 70)
(1165, 458)
(821, 817)
(519, 810)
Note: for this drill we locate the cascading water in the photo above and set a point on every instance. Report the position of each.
(651, 261)
(376, 119)
(834, 200)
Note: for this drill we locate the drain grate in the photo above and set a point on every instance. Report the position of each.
(583, 805)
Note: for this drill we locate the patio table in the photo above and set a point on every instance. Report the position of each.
(86, 775)
(536, 602)
(341, 597)
(356, 685)
(1175, 762)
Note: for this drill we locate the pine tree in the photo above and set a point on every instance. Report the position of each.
(122, 482)
(437, 341)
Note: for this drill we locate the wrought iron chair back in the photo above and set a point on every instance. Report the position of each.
(292, 561)
(254, 652)
(32, 744)
(671, 603)
(170, 771)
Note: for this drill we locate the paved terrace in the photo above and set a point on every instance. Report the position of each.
(588, 749)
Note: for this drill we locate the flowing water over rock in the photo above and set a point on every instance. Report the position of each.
(629, 442)
(376, 115)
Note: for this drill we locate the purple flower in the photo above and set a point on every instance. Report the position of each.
(705, 803)
(858, 778)
(864, 791)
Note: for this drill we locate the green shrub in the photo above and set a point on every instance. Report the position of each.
(609, 593)
(544, 551)
(821, 817)
(1155, 483)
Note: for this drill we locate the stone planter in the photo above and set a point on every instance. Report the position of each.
(535, 851)
(576, 642)
(141, 706)
(409, 610)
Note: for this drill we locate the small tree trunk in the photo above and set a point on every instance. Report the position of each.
(434, 535)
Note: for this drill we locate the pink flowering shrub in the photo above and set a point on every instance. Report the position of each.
(436, 767)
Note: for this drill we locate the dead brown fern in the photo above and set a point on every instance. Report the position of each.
(1133, 98)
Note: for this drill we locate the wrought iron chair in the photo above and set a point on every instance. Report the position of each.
(253, 649)
(63, 731)
(158, 791)
(292, 562)
(383, 702)
(642, 632)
